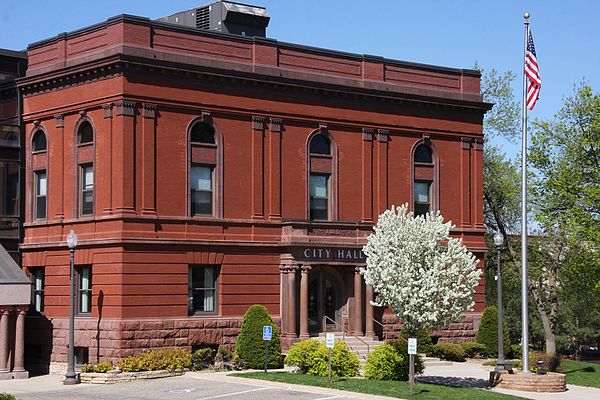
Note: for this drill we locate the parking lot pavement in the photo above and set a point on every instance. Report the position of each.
(192, 386)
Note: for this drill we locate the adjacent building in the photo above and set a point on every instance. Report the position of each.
(206, 171)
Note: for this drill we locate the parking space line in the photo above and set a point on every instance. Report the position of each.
(328, 398)
(220, 396)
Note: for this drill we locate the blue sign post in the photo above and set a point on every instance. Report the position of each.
(267, 336)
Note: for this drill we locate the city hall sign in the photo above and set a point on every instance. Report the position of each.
(329, 254)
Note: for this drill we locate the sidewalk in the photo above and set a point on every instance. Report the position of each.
(473, 374)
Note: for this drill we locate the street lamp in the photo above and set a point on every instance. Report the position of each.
(71, 378)
(500, 363)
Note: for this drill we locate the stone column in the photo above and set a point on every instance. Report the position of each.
(304, 270)
(291, 302)
(20, 339)
(4, 315)
(358, 316)
(370, 325)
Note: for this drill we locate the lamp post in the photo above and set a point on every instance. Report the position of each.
(500, 363)
(71, 378)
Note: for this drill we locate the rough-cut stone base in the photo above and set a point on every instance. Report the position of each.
(458, 332)
(5, 376)
(550, 382)
(119, 377)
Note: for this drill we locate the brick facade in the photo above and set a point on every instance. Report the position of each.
(143, 86)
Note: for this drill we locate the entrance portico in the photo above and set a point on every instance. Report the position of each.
(323, 290)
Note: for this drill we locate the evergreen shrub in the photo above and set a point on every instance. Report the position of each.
(203, 358)
(100, 367)
(311, 357)
(250, 344)
(6, 396)
(449, 352)
(384, 364)
(552, 362)
(472, 349)
(157, 359)
(488, 332)
(424, 343)
(401, 346)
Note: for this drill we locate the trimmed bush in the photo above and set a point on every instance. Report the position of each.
(515, 351)
(552, 361)
(301, 355)
(401, 346)
(6, 396)
(203, 358)
(488, 332)
(449, 352)
(154, 360)
(311, 357)
(472, 349)
(384, 364)
(250, 345)
(100, 367)
(424, 343)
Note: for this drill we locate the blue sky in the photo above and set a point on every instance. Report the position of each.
(454, 33)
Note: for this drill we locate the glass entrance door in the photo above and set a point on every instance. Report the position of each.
(324, 305)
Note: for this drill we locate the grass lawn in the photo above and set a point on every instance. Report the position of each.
(383, 388)
(581, 373)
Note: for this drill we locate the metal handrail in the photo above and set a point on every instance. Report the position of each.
(384, 328)
(368, 347)
(325, 318)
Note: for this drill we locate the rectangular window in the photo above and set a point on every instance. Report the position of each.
(84, 289)
(201, 190)
(87, 189)
(319, 200)
(421, 197)
(41, 187)
(202, 289)
(37, 289)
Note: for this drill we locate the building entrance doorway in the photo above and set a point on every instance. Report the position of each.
(324, 302)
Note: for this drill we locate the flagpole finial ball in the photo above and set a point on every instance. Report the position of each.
(526, 15)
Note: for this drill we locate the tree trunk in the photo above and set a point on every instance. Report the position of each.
(548, 332)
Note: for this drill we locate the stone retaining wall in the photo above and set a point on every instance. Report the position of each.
(119, 377)
(458, 332)
(550, 382)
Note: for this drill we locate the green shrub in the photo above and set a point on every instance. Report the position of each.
(384, 364)
(401, 346)
(154, 360)
(424, 343)
(100, 367)
(515, 351)
(250, 345)
(311, 357)
(450, 352)
(6, 396)
(301, 355)
(472, 349)
(223, 355)
(552, 361)
(203, 358)
(488, 332)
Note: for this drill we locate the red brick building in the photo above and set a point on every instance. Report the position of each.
(205, 172)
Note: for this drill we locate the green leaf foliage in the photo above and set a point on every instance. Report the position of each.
(157, 359)
(401, 346)
(203, 358)
(250, 346)
(6, 396)
(312, 357)
(100, 367)
(450, 352)
(424, 343)
(472, 349)
(488, 332)
(385, 364)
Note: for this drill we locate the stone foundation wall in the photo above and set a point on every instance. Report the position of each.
(47, 340)
(549, 383)
(458, 332)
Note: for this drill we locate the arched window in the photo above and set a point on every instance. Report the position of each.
(322, 177)
(202, 132)
(39, 141)
(85, 161)
(85, 133)
(424, 178)
(204, 169)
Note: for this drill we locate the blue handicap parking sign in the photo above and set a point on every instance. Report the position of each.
(267, 332)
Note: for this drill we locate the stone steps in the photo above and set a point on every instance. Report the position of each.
(361, 347)
(434, 362)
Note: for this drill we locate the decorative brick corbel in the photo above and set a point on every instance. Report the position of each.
(367, 134)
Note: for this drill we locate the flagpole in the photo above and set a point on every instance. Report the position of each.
(524, 285)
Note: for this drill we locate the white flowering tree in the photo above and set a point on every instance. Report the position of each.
(426, 277)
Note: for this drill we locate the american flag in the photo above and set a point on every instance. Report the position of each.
(533, 74)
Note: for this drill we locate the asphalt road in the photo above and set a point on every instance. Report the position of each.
(188, 387)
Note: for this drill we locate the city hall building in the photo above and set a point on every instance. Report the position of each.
(206, 169)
